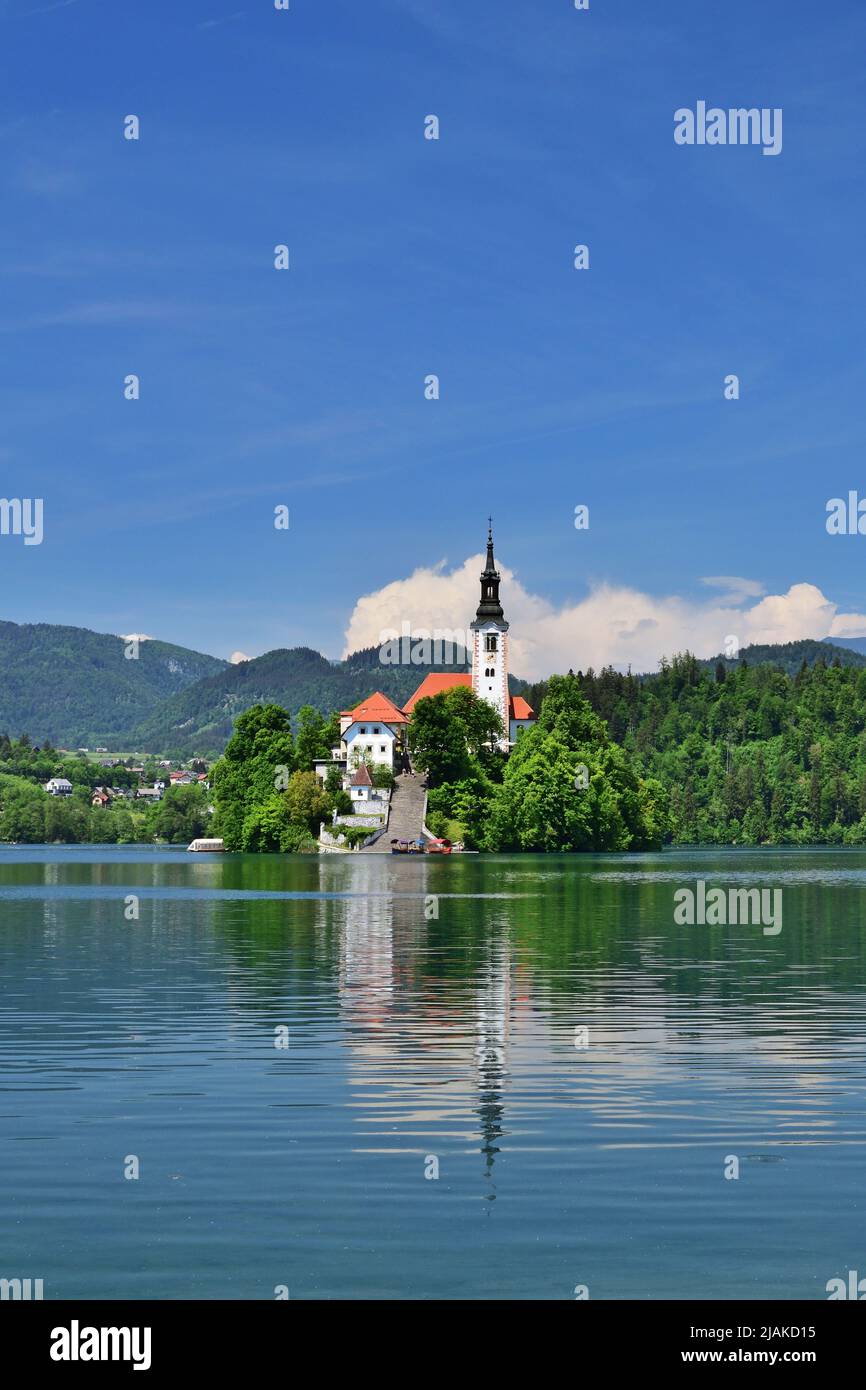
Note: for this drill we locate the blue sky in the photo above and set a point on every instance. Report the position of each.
(411, 257)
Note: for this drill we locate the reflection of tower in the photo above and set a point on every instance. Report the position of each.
(366, 946)
(492, 1006)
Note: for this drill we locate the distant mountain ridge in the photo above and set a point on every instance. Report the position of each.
(200, 718)
(853, 644)
(791, 655)
(76, 688)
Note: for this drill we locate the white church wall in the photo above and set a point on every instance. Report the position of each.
(493, 689)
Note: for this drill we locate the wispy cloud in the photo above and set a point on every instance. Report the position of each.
(101, 313)
(217, 23)
(44, 9)
(735, 589)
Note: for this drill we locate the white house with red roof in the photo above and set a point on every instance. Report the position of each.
(366, 797)
(372, 731)
(489, 675)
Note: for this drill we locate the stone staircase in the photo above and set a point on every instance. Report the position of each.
(407, 815)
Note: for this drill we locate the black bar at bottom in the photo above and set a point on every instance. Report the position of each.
(162, 1339)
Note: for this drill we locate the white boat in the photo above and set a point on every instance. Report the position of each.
(206, 847)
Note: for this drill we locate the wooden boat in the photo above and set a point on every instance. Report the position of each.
(438, 847)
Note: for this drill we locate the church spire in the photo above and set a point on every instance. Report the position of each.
(490, 608)
(491, 563)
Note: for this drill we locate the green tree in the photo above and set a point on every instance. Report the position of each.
(181, 816)
(313, 741)
(307, 802)
(567, 787)
(258, 762)
(451, 732)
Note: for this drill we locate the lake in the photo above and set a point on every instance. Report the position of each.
(288, 1049)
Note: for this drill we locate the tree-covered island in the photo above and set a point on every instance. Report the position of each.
(731, 754)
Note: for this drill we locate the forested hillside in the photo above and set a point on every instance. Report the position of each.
(748, 755)
(200, 719)
(76, 688)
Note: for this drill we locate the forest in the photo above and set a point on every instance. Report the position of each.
(731, 754)
(748, 754)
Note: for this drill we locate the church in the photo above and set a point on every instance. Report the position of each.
(375, 728)
(489, 676)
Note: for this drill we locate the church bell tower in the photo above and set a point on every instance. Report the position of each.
(490, 645)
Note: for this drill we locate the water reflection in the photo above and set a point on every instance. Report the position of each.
(433, 1009)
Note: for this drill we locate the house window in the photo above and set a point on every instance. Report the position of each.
(377, 730)
(381, 747)
(363, 731)
(490, 642)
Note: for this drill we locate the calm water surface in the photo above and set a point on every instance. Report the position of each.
(414, 1037)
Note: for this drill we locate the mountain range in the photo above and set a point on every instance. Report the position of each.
(78, 688)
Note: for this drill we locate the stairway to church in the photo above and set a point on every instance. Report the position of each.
(407, 815)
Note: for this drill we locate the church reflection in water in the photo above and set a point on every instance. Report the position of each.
(427, 1047)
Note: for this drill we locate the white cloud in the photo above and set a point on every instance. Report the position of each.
(848, 625)
(613, 625)
(237, 657)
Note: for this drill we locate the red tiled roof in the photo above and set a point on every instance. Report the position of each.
(362, 777)
(377, 708)
(439, 681)
(434, 684)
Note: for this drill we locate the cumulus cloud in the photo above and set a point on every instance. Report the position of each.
(237, 657)
(613, 625)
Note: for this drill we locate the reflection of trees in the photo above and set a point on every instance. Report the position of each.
(427, 1007)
